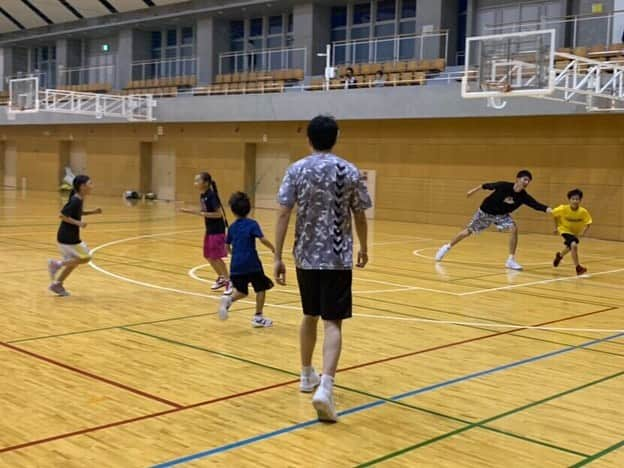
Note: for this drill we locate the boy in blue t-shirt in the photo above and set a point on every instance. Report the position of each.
(245, 266)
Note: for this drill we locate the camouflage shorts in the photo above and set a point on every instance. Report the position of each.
(482, 220)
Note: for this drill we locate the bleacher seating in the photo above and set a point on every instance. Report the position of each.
(88, 88)
(160, 86)
(252, 82)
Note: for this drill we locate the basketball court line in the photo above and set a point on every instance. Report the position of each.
(600, 454)
(199, 294)
(90, 375)
(495, 418)
(375, 404)
(195, 405)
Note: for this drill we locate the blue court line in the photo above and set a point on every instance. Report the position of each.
(374, 404)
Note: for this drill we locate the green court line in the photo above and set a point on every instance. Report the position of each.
(360, 392)
(600, 454)
(114, 327)
(488, 420)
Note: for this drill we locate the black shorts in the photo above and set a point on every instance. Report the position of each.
(569, 238)
(326, 293)
(258, 280)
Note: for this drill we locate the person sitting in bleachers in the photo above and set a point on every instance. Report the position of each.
(349, 79)
(380, 80)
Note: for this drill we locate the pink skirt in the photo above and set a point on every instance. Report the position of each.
(214, 246)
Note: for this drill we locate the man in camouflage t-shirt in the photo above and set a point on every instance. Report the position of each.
(326, 190)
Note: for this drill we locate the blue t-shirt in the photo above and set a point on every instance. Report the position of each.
(242, 236)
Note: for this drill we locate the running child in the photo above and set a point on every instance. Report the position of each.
(496, 209)
(214, 240)
(571, 221)
(74, 251)
(245, 266)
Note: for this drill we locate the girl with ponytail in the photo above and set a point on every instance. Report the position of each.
(213, 213)
(74, 251)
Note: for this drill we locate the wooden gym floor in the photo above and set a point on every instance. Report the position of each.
(465, 364)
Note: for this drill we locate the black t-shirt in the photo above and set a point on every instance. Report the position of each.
(210, 202)
(68, 233)
(505, 199)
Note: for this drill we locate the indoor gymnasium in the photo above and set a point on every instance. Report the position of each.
(312, 233)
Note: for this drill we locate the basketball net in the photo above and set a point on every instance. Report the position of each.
(497, 102)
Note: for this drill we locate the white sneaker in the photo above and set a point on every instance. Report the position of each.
(224, 307)
(307, 383)
(513, 265)
(261, 322)
(228, 288)
(219, 283)
(442, 252)
(323, 402)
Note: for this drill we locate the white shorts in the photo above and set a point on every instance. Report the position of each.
(70, 251)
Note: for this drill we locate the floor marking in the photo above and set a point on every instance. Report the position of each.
(366, 406)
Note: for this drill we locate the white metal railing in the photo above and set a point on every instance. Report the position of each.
(164, 68)
(43, 77)
(86, 75)
(430, 45)
(263, 60)
(612, 26)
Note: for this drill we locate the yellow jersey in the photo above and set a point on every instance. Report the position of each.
(571, 221)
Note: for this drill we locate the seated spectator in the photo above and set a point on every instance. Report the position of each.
(380, 80)
(349, 79)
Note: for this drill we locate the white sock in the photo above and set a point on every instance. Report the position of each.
(327, 382)
(307, 371)
(512, 257)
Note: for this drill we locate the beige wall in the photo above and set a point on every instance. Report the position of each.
(424, 167)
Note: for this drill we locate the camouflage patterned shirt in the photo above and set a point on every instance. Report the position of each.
(326, 189)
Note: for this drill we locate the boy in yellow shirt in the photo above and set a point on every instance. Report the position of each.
(572, 222)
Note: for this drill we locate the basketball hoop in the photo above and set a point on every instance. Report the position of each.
(497, 102)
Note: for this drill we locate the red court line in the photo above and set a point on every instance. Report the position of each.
(142, 418)
(92, 376)
(470, 340)
(282, 384)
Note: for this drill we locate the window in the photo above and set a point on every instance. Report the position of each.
(255, 27)
(338, 17)
(187, 36)
(386, 10)
(275, 25)
(361, 13)
(407, 27)
(408, 9)
(237, 29)
(290, 23)
(384, 30)
(172, 37)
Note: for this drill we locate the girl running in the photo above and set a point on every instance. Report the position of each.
(214, 240)
(74, 251)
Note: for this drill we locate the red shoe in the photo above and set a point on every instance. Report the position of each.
(557, 260)
(581, 270)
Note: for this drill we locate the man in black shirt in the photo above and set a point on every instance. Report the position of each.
(496, 209)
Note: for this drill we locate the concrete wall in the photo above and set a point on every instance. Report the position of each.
(414, 102)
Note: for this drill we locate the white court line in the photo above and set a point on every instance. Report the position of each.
(534, 283)
(487, 324)
(380, 317)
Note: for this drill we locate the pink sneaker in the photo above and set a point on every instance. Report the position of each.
(58, 289)
(53, 267)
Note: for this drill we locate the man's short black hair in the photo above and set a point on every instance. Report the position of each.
(240, 204)
(577, 192)
(323, 132)
(524, 173)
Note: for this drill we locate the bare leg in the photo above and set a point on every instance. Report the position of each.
(565, 251)
(575, 257)
(237, 295)
(71, 265)
(260, 297)
(218, 265)
(332, 346)
(307, 339)
(513, 241)
(460, 237)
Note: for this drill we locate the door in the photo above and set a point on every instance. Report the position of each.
(163, 171)
(272, 160)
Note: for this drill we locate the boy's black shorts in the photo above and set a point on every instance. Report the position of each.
(569, 238)
(258, 280)
(326, 293)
